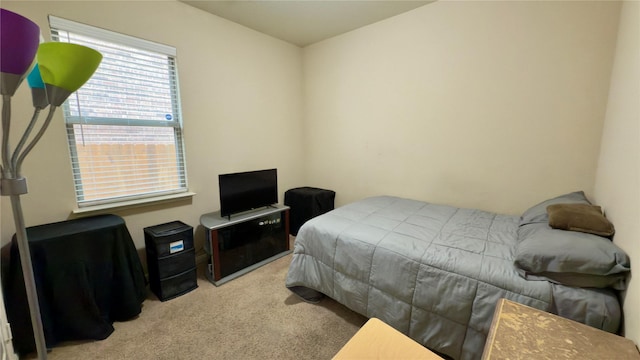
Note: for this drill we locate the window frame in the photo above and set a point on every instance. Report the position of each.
(57, 25)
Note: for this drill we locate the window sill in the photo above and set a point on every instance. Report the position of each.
(134, 203)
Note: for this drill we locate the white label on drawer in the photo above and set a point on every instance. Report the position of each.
(176, 246)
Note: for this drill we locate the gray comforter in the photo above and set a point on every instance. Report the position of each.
(433, 272)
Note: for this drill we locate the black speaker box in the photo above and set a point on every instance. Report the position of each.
(307, 203)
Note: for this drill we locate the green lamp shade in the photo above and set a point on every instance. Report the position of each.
(67, 66)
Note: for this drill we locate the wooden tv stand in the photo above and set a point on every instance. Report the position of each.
(245, 241)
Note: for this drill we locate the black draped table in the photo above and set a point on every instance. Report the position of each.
(88, 275)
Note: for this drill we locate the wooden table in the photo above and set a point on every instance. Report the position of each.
(377, 340)
(522, 332)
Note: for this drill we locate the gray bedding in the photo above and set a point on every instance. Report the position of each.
(434, 272)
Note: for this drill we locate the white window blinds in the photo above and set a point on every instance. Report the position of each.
(124, 125)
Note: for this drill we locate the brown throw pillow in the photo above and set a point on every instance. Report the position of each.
(579, 217)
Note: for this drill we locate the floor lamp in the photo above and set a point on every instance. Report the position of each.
(61, 69)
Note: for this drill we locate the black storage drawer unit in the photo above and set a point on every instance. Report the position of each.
(164, 239)
(177, 285)
(306, 203)
(170, 259)
(175, 264)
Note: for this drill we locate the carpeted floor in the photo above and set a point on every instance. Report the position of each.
(251, 317)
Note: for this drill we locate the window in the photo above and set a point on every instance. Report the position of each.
(124, 125)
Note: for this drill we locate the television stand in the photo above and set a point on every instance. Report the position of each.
(252, 211)
(244, 242)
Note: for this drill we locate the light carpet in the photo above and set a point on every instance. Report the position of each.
(251, 317)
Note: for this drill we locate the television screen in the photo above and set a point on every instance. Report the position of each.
(247, 190)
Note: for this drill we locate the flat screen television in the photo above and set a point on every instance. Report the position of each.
(248, 190)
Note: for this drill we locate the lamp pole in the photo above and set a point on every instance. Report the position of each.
(27, 270)
(13, 186)
(19, 45)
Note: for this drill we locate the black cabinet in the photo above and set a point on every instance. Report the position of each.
(244, 242)
(170, 259)
(307, 203)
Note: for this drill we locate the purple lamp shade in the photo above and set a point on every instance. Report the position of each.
(19, 40)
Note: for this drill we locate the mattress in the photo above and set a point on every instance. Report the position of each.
(434, 272)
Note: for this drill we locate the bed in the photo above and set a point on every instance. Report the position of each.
(436, 272)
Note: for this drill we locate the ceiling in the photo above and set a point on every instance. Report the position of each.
(304, 22)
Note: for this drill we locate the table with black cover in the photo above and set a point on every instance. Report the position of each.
(88, 275)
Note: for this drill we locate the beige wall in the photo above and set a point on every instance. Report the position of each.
(495, 105)
(241, 105)
(617, 186)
